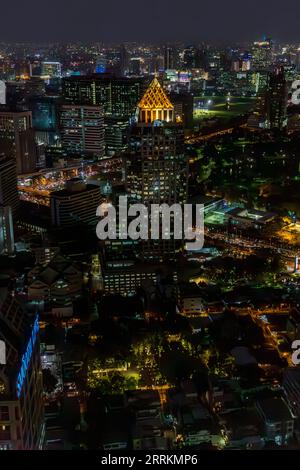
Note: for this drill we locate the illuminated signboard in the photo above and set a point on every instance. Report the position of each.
(27, 356)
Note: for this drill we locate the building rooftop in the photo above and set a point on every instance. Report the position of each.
(155, 98)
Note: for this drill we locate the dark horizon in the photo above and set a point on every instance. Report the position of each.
(163, 21)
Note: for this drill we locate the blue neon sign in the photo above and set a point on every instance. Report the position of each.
(27, 356)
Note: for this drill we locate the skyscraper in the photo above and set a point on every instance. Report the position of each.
(17, 138)
(82, 129)
(21, 400)
(170, 58)
(51, 69)
(276, 100)
(6, 230)
(262, 55)
(8, 183)
(156, 167)
(2, 92)
(118, 95)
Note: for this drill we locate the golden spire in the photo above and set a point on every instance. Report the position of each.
(155, 105)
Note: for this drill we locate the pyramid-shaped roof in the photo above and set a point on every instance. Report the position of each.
(155, 97)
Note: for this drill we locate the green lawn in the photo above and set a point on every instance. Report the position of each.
(219, 107)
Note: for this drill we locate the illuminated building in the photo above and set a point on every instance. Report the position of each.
(124, 61)
(82, 129)
(116, 135)
(155, 105)
(135, 66)
(6, 230)
(8, 183)
(170, 58)
(191, 57)
(101, 64)
(21, 400)
(117, 95)
(45, 118)
(17, 138)
(51, 69)
(262, 55)
(2, 92)
(156, 166)
(276, 100)
(75, 205)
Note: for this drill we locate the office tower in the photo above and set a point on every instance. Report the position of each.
(75, 205)
(117, 95)
(2, 92)
(135, 66)
(8, 183)
(116, 135)
(82, 129)
(51, 69)
(170, 61)
(6, 231)
(262, 55)
(156, 167)
(124, 61)
(276, 100)
(101, 63)
(21, 400)
(17, 138)
(183, 108)
(191, 57)
(45, 118)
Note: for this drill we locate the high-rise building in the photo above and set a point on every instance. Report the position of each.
(101, 63)
(8, 183)
(116, 135)
(124, 61)
(2, 92)
(75, 205)
(6, 230)
(183, 108)
(276, 100)
(17, 138)
(170, 58)
(117, 95)
(82, 129)
(45, 118)
(51, 69)
(156, 167)
(21, 400)
(191, 57)
(262, 55)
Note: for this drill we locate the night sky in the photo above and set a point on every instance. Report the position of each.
(154, 20)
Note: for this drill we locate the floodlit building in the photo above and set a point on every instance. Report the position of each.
(156, 164)
(21, 402)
